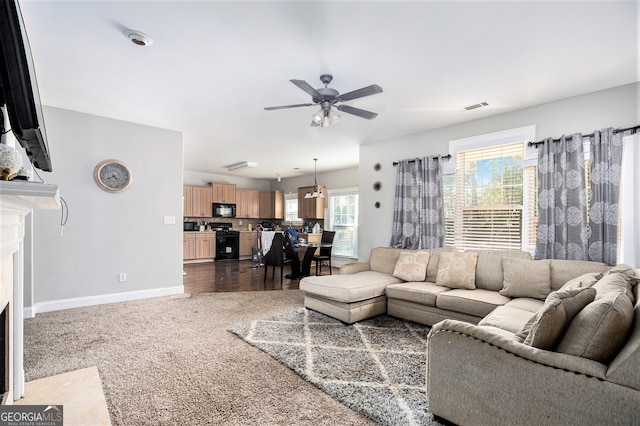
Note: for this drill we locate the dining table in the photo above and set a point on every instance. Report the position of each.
(303, 269)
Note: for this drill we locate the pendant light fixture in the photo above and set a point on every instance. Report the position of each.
(316, 192)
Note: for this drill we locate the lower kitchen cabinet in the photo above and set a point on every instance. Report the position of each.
(199, 245)
(248, 239)
(188, 246)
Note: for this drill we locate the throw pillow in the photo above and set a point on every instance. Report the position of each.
(547, 326)
(412, 266)
(526, 278)
(457, 270)
(585, 280)
(599, 331)
(614, 282)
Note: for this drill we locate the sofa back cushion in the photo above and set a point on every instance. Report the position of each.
(489, 268)
(625, 368)
(384, 259)
(526, 278)
(565, 270)
(600, 330)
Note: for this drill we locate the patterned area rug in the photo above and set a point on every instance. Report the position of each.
(376, 366)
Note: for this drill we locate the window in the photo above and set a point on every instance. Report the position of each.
(343, 218)
(489, 200)
(291, 209)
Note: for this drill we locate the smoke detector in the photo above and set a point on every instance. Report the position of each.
(138, 38)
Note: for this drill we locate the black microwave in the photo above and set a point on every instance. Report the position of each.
(224, 210)
(191, 226)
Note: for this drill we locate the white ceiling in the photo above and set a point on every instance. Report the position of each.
(214, 65)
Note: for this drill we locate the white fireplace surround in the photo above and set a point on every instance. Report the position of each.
(17, 200)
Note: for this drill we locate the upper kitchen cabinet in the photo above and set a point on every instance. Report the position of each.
(311, 208)
(247, 203)
(197, 201)
(272, 204)
(187, 201)
(223, 192)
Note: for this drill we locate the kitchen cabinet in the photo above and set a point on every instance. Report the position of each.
(272, 204)
(198, 245)
(247, 203)
(188, 246)
(248, 239)
(311, 208)
(206, 245)
(223, 192)
(197, 201)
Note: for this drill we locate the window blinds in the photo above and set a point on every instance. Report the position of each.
(488, 209)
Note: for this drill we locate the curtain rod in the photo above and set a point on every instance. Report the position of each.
(444, 157)
(632, 129)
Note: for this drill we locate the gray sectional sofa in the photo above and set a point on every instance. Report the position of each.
(513, 340)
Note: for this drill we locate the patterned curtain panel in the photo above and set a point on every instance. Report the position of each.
(432, 225)
(406, 209)
(562, 200)
(605, 166)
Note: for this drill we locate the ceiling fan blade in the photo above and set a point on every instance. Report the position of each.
(307, 88)
(286, 106)
(361, 93)
(357, 111)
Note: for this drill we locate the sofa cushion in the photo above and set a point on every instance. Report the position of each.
(599, 330)
(434, 259)
(412, 265)
(614, 282)
(565, 270)
(348, 288)
(526, 278)
(526, 303)
(489, 268)
(584, 280)
(478, 302)
(547, 326)
(383, 259)
(417, 292)
(457, 270)
(508, 318)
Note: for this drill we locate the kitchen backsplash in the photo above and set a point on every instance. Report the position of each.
(244, 226)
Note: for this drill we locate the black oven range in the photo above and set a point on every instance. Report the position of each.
(227, 241)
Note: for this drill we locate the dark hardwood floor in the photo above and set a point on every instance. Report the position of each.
(233, 275)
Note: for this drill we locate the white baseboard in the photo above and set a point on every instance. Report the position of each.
(79, 302)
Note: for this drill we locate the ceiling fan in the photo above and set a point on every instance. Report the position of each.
(326, 98)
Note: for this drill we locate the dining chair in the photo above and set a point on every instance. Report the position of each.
(325, 252)
(276, 256)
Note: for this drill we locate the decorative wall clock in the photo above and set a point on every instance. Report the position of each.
(112, 175)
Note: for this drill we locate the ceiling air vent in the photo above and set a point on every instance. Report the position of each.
(480, 105)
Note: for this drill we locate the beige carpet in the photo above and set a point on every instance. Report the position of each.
(170, 361)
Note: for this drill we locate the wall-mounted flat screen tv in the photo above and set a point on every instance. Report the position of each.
(19, 97)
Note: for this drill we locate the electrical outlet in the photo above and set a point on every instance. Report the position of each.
(169, 220)
(240, 223)
(123, 277)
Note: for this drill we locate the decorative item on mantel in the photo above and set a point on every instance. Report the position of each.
(10, 162)
(316, 193)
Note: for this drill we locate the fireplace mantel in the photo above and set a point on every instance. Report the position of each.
(17, 200)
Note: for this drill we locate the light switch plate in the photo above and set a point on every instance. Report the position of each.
(169, 220)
